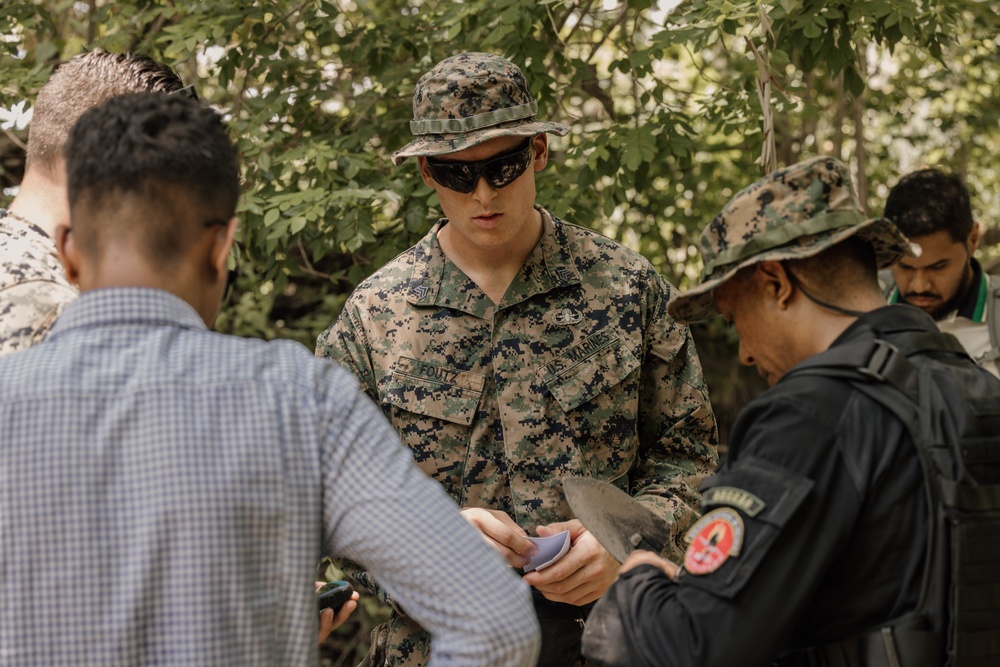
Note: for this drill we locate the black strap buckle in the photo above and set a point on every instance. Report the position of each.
(882, 359)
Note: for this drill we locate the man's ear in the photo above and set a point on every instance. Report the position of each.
(221, 243)
(69, 253)
(773, 277)
(540, 142)
(974, 238)
(426, 175)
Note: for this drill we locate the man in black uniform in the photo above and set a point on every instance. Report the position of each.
(816, 527)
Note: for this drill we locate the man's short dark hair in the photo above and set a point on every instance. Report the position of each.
(929, 201)
(840, 269)
(167, 156)
(84, 82)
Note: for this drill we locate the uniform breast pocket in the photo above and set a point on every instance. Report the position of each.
(433, 390)
(433, 408)
(596, 384)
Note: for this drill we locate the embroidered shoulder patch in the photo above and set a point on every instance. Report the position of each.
(717, 536)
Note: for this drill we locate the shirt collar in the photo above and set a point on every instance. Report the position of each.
(974, 306)
(113, 306)
(551, 264)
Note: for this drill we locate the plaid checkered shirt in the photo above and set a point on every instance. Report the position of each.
(166, 493)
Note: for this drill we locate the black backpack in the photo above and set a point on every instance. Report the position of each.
(952, 410)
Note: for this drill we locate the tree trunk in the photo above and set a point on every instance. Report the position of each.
(838, 120)
(860, 153)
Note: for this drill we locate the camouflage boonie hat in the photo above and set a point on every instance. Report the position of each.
(793, 213)
(470, 98)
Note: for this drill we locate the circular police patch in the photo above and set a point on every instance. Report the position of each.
(716, 537)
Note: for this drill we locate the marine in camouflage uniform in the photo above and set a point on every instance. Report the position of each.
(33, 287)
(577, 371)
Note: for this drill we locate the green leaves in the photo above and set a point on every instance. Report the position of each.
(638, 146)
(663, 105)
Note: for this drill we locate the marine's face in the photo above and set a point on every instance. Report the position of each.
(937, 280)
(490, 217)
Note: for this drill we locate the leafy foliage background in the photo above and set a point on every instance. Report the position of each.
(666, 120)
(674, 108)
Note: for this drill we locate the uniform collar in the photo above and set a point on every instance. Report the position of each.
(436, 281)
(974, 306)
(16, 223)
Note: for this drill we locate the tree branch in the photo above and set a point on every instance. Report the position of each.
(306, 265)
(860, 150)
(15, 140)
(579, 21)
(607, 33)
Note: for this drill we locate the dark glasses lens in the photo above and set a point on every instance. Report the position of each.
(499, 170)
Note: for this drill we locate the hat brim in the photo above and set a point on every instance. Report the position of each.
(442, 144)
(890, 244)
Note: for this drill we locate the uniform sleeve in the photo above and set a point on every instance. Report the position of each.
(345, 343)
(678, 436)
(781, 510)
(381, 511)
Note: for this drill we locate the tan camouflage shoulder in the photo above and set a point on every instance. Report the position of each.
(33, 287)
(345, 341)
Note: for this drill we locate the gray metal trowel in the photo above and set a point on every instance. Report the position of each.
(619, 523)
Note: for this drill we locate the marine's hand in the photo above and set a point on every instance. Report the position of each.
(502, 534)
(641, 557)
(328, 621)
(582, 575)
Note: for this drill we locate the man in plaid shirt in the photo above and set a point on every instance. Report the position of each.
(168, 490)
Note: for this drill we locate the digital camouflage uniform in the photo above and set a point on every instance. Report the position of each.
(578, 371)
(33, 287)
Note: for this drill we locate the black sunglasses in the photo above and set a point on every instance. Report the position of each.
(499, 170)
